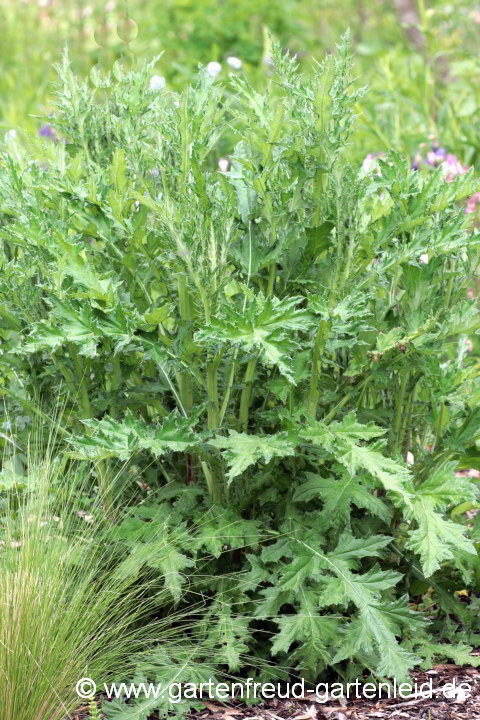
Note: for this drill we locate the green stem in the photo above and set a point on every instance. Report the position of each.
(105, 487)
(350, 249)
(400, 399)
(334, 287)
(184, 378)
(214, 487)
(448, 294)
(212, 483)
(272, 271)
(406, 421)
(103, 466)
(212, 390)
(226, 398)
(81, 372)
(313, 394)
(441, 421)
(247, 388)
(116, 381)
(234, 361)
(338, 407)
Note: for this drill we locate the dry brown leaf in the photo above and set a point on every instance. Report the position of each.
(215, 708)
(460, 696)
(311, 714)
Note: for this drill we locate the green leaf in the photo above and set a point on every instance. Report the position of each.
(391, 474)
(124, 439)
(435, 539)
(389, 340)
(460, 653)
(241, 450)
(349, 547)
(338, 496)
(314, 632)
(228, 634)
(347, 430)
(267, 326)
(118, 170)
(340, 438)
(376, 627)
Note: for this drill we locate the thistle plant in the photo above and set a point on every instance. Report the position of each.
(93, 711)
(266, 345)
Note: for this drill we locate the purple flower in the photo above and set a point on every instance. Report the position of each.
(369, 160)
(472, 203)
(438, 157)
(47, 131)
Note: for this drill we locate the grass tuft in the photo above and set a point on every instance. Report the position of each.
(64, 615)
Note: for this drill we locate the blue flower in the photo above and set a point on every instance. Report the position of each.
(47, 131)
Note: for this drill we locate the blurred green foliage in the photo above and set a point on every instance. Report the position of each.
(423, 80)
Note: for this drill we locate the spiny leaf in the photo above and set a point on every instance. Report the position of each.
(125, 438)
(338, 496)
(241, 450)
(435, 539)
(266, 326)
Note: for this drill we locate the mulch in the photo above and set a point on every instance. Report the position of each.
(460, 684)
(454, 695)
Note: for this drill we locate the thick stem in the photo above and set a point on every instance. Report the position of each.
(212, 390)
(214, 489)
(105, 487)
(442, 419)
(213, 484)
(103, 467)
(334, 287)
(226, 398)
(247, 389)
(348, 263)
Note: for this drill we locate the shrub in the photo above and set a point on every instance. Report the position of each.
(270, 344)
